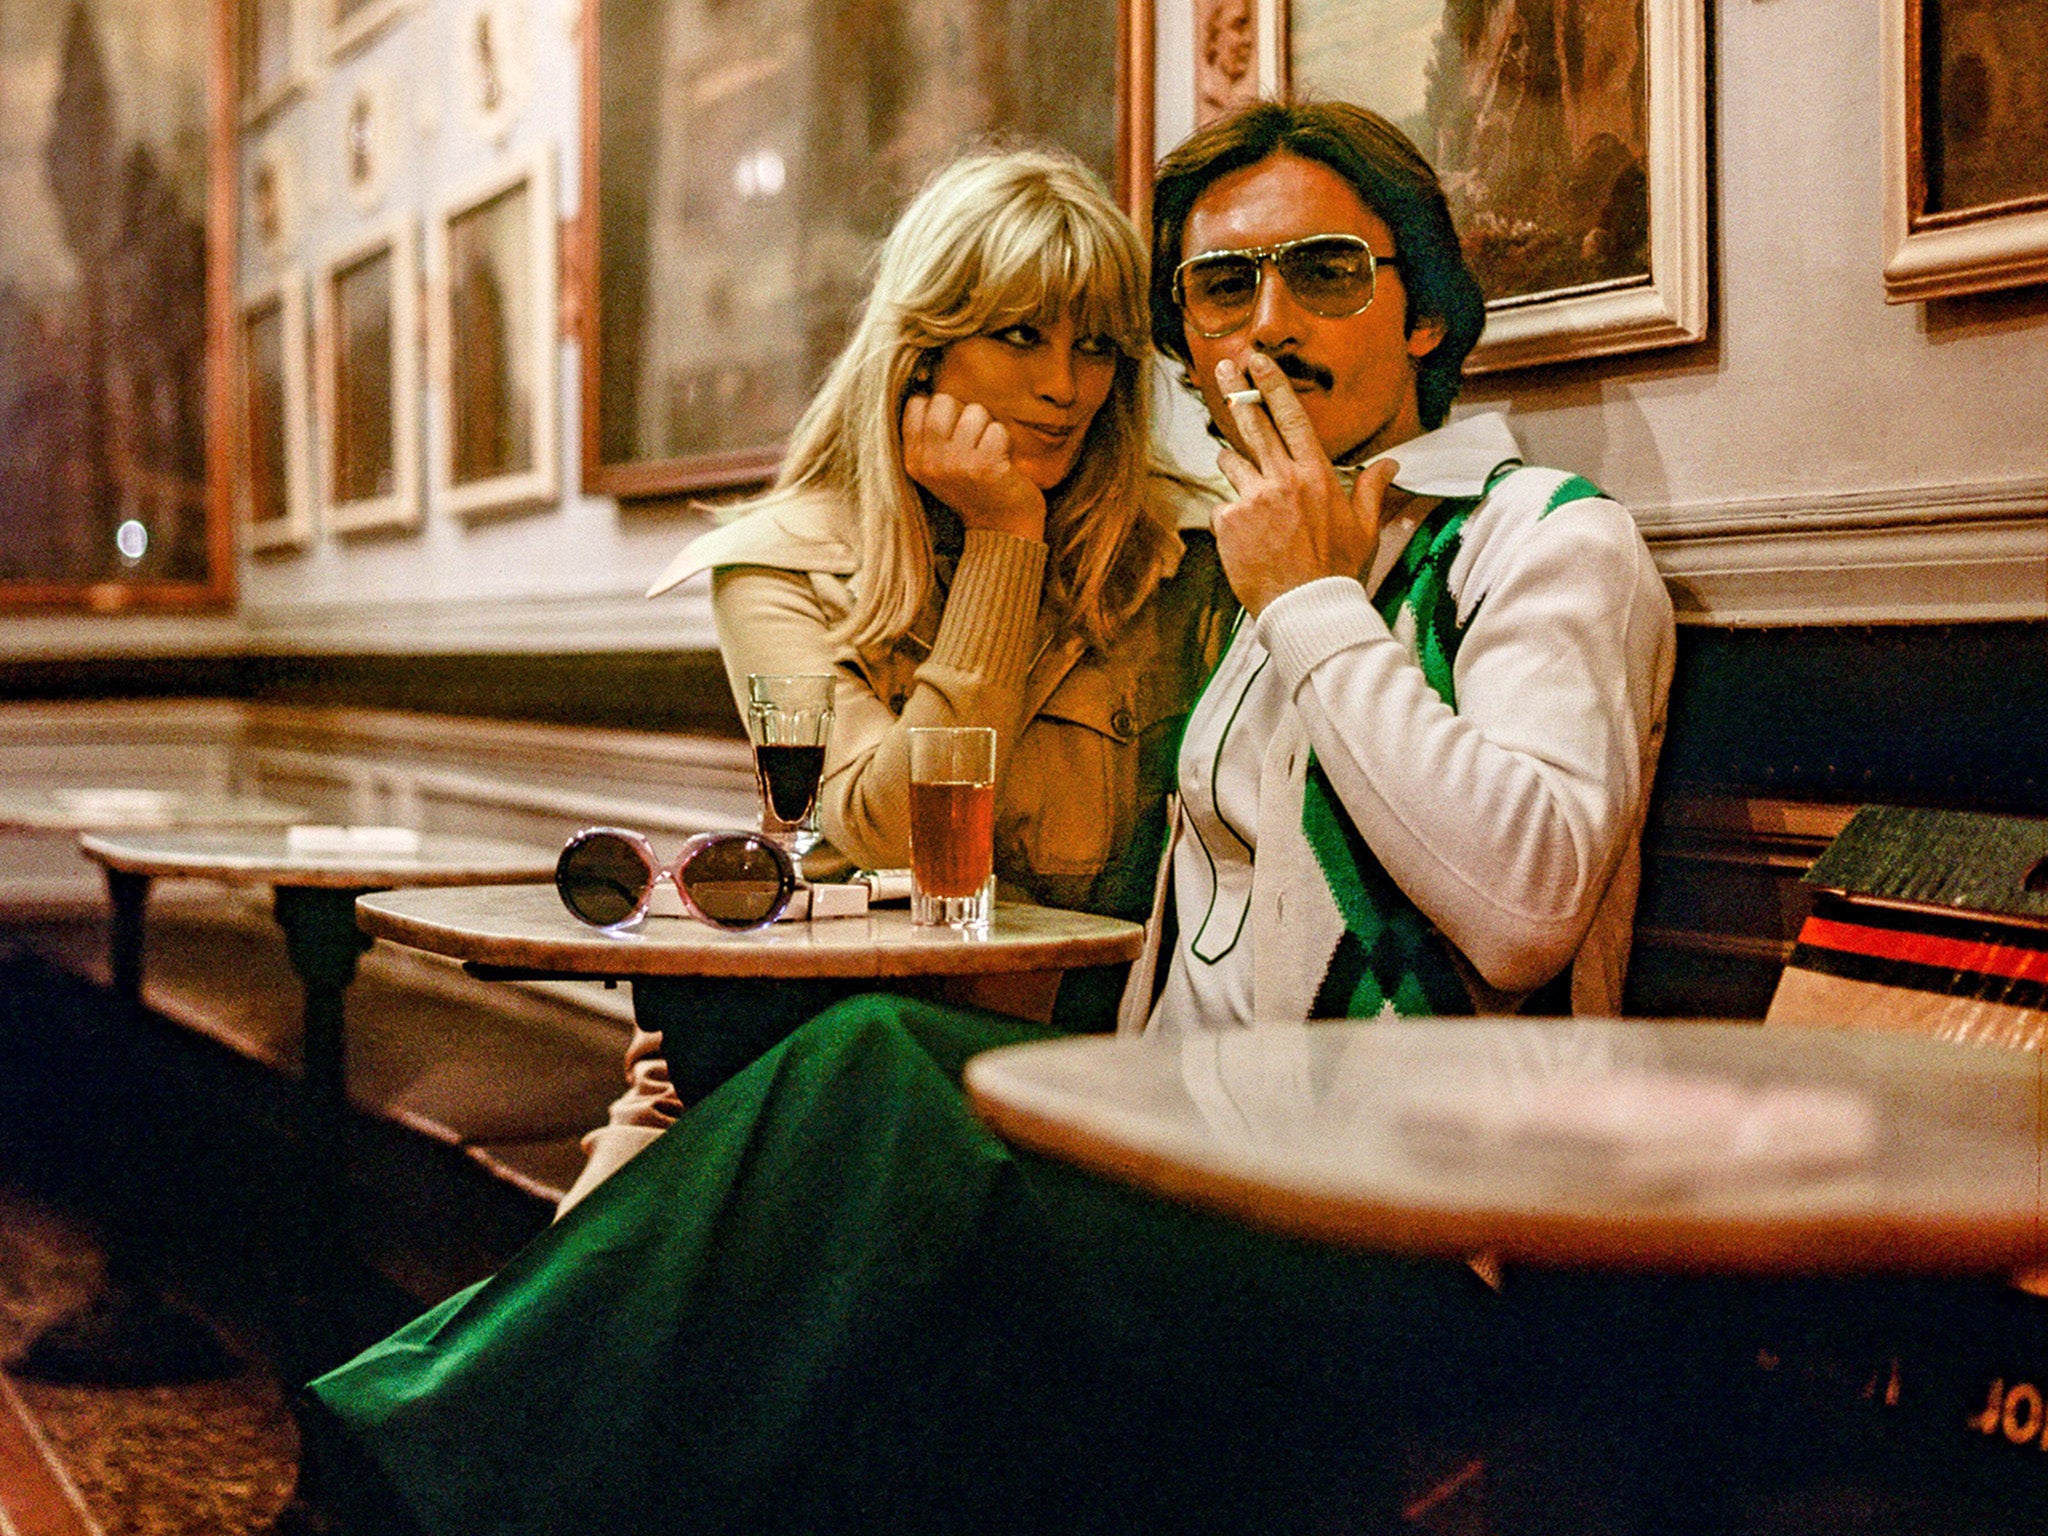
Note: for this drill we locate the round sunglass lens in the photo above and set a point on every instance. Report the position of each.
(738, 882)
(602, 878)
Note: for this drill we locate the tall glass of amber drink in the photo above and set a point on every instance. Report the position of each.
(952, 825)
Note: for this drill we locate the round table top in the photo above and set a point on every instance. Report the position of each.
(261, 856)
(107, 808)
(527, 928)
(1682, 1147)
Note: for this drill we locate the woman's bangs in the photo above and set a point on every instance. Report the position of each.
(1053, 267)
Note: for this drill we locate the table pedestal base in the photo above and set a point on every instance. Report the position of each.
(324, 944)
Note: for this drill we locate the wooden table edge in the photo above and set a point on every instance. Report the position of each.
(592, 957)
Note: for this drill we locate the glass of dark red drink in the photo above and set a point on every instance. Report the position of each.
(789, 719)
(952, 825)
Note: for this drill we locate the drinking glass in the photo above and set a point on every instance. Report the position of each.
(789, 720)
(952, 825)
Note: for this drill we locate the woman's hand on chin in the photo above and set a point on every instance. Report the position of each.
(961, 455)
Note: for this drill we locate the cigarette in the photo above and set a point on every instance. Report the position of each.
(1244, 396)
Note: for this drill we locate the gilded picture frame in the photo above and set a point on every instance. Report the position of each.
(1574, 153)
(494, 342)
(118, 388)
(273, 483)
(352, 23)
(740, 166)
(1965, 147)
(273, 62)
(367, 365)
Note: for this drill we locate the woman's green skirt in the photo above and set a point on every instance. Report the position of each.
(829, 1300)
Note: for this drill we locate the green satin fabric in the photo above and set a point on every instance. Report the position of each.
(829, 1300)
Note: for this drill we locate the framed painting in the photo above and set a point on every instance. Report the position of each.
(1230, 51)
(273, 490)
(494, 340)
(270, 53)
(1571, 140)
(351, 23)
(1966, 146)
(366, 344)
(742, 160)
(117, 306)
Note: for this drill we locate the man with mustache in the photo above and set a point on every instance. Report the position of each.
(1417, 781)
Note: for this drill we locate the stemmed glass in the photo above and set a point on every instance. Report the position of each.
(789, 721)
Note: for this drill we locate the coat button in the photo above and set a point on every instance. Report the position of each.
(1123, 722)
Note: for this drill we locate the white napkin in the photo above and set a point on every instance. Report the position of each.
(314, 841)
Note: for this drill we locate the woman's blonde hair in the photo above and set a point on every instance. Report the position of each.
(992, 240)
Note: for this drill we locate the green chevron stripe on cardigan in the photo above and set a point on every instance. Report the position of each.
(1390, 958)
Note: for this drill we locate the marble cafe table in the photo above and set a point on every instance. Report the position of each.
(93, 808)
(1684, 1148)
(314, 895)
(87, 808)
(126, 1333)
(685, 973)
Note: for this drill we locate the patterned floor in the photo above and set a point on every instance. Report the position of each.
(215, 1458)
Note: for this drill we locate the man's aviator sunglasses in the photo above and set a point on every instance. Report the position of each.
(1329, 275)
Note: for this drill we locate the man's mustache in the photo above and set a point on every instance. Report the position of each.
(1300, 370)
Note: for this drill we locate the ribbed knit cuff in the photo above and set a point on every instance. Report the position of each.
(991, 618)
(1307, 625)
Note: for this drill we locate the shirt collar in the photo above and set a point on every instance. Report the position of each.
(1456, 460)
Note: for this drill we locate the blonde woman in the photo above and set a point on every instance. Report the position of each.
(968, 530)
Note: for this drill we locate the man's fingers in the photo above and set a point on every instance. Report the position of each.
(1253, 424)
(1285, 409)
(1371, 488)
(1238, 470)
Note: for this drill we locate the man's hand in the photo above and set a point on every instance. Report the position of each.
(962, 456)
(1291, 523)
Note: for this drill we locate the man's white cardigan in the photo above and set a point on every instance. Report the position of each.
(1513, 823)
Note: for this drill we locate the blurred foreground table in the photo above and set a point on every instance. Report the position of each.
(1702, 1148)
(686, 975)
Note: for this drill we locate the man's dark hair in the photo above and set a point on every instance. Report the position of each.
(1390, 177)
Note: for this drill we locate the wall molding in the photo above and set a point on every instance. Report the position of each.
(606, 621)
(1968, 552)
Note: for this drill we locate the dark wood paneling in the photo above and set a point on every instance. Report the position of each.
(1949, 714)
(1776, 736)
